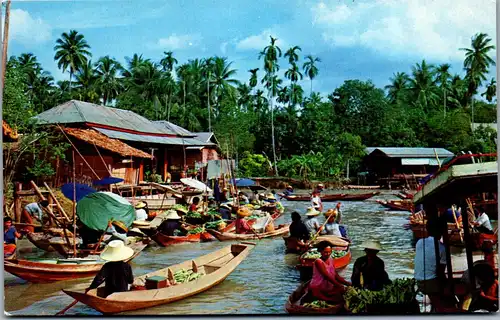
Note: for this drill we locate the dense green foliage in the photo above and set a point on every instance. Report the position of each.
(270, 122)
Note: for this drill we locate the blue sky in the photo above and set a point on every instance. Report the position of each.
(361, 39)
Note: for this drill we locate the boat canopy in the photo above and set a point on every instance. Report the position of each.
(97, 209)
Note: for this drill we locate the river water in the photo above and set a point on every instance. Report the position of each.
(259, 285)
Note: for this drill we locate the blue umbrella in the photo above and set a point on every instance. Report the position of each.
(243, 182)
(81, 191)
(107, 181)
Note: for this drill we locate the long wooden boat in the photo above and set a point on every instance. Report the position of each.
(295, 305)
(214, 267)
(335, 197)
(228, 236)
(165, 241)
(397, 205)
(40, 240)
(50, 270)
(291, 243)
(231, 226)
(351, 186)
(65, 251)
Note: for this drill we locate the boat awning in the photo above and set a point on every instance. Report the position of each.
(420, 161)
(459, 181)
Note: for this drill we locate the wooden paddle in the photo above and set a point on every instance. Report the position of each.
(63, 311)
(317, 233)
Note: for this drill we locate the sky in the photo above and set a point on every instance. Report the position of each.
(360, 39)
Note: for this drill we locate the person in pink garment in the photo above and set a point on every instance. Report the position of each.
(326, 283)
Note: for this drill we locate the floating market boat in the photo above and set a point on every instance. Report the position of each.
(334, 197)
(341, 259)
(228, 236)
(292, 244)
(295, 305)
(166, 241)
(231, 226)
(213, 268)
(397, 205)
(49, 270)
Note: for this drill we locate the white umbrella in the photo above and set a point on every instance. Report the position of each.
(196, 184)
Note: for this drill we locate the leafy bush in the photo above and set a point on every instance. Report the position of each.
(253, 165)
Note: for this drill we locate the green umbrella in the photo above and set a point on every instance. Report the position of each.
(97, 209)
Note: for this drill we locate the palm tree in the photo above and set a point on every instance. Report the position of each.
(29, 63)
(443, 76)
(293, 57)
(310, 68)
(86, 79)
(477, 62)
(491, 90)
(457, 97)
(133, 63)
(168, 61)
(271, 54)
(253, 77)
(108, 71)
(423, 85)
(71, 52)
(222, 78)
(296, 94)
(398, 86)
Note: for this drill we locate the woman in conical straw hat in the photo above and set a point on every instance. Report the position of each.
(141, 211)
(116, 273)
(312, 223)
(369, 270)
(172, 225)
(331, 228)
(242, 226)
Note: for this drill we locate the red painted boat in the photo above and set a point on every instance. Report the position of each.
(206, 237)
(230, 227)
(166, 241)
(397, 205)
(335, 197)
(305, 266)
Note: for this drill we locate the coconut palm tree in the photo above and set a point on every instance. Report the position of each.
(398, 87)
(491, 90)
(29, 63)
(423, 85)
(71, 52)
(443, 76)
(310, 68)
(292, 55)
(477, 62)
(168, 61)
(271, 53)
(457, 97)
(253, 77)
(86, 80)
(133, 63)
(222, 79)
(110, 85)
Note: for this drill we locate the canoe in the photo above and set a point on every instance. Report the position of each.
(397, 205)
(228, 236)
(62, 248)
(40, 240)
(166, 241)
(294, 304)
(214, 267)
(50, 270)
(231, 226)
(351, 186)
(335, 197)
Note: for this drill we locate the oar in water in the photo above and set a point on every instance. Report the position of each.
(63, 311)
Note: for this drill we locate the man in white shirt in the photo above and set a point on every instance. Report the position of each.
(482, 223)
(316, 202)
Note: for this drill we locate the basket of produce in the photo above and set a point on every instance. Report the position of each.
(308, 258)
(399, 297)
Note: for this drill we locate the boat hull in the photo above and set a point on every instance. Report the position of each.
(166, 241)
(335, 197)
(135, 300)
(397, 205)
(228, 236)
(39, 241)
(293, 306)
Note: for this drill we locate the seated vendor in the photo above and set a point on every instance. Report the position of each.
(225, 211)
(10, 235)
(326, 283)
(118, 231)
(34, 211)
(116, 273)
(241, 225)
(482, 222)
(243, 199)
(172, 225)
(288, 191)
(298, 229)
(141, 211)
(194, 206)
(369, 270)
(487, 297)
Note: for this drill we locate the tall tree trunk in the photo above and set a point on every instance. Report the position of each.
(310, 94)
(184, 103)
(208, 104)
(444, 100)
(5, 41)
(70, 78)
(272, 125)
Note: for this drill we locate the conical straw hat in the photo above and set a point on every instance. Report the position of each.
(311, 212)
(371, 244)
(116, 251)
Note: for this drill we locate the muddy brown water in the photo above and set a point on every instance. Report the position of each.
(261, 284)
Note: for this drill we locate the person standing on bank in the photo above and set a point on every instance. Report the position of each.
(34, 211)
(116, 273)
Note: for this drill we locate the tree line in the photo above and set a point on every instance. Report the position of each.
(269, 123)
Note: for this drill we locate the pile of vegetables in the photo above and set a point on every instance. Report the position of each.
(401, 291)
(180, 207)
(318, 304)
(183, 276)
(193, 215)
(214, 224)
(196, 230)
(313, 254)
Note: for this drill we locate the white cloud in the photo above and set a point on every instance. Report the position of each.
(431, 29)
(223, 47)
(175, 42)
(258, 42)
(26, 29)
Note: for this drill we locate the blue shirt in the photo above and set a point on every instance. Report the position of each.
(9, 236)
(34, 210)
(426, 269)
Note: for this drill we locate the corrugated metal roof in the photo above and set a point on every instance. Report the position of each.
(152, 139)
(419, 161)
(204, 136)
(369, 150)
(75, 111)
(174, 128)
(414, 152)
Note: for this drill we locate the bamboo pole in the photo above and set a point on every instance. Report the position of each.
(49, 209)
(74, 207)
(102, 159)
(61, 209)
(437, 158)
(456, 222)
(5, 41)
